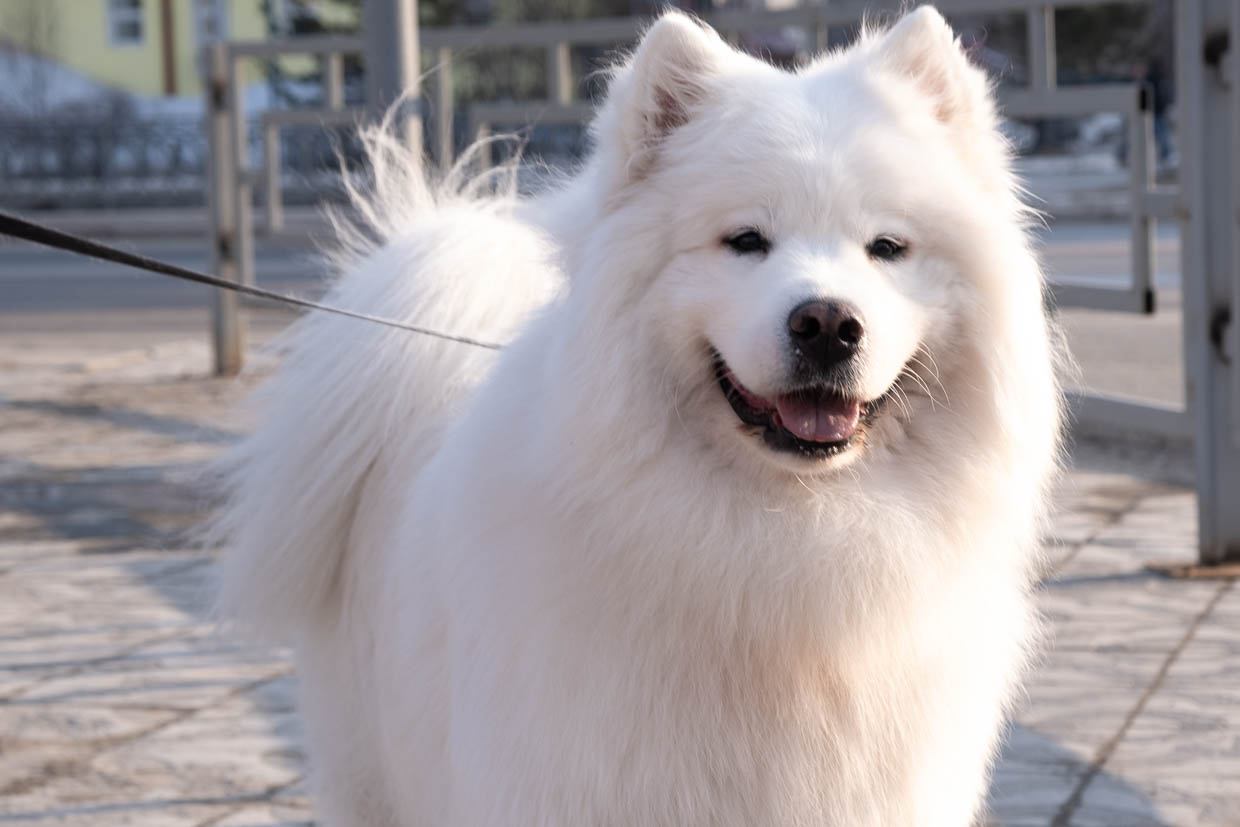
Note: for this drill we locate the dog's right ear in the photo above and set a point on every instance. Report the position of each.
(661, 87)
(922, 47)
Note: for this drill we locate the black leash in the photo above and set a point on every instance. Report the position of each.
(11, 225)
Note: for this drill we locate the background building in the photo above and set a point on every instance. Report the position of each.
(147, 47)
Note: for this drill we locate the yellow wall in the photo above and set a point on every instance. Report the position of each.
(79, 39)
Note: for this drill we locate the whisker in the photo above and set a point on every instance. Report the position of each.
(933, 369)
(921, 383)
(817, 494)
(900, 397)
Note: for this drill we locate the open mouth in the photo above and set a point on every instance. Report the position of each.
(816, 422)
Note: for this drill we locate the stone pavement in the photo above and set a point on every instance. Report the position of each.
(120, 703)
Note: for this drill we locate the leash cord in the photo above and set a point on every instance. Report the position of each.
(16, 227)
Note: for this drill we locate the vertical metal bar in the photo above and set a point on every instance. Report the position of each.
(820, 31)
(560, 73)
(168, 42)
(1208, 273)
(445, 105)
(243, 191)
(1190, 80)
(333, 93)
(1141, 168)
(1040, 26)
(333, 81)
(271, 167)
(227, 321)
(1233, 343)
(391, 30)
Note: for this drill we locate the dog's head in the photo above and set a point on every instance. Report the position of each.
(803, 242)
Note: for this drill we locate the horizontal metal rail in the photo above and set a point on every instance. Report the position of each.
(288, 47)
(1070, 101)
(312, 117)
(1146, 205)
(488, 114)
(1111, 414)
(1113, 299)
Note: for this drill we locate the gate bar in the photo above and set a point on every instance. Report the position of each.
(228, 324)
(390, 28)
(1207, 250)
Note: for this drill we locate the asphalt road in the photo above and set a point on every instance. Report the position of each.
(38, 280)
(46, 293)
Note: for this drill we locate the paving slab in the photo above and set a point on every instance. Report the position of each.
(122, 703)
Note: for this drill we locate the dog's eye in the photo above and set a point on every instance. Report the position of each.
(886, 248)
(748, 242)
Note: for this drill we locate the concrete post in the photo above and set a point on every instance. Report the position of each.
(392, 65)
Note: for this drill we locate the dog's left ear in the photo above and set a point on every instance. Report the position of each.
(663, 85)
(923, 48)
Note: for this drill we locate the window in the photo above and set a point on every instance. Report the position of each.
(125, 22)
(210, 20)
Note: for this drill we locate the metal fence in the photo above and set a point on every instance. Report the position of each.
(1207, 205)
(100, 162)
(99, 159)
(567, 103)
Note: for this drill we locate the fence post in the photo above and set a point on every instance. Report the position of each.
(1142, 161)
(445, 102)
(560, 73)
(243, 178)
(1043, 60)
(333, 81)
(1234, 327)
(392, 66)
(272, 161)
(227, 321)
(1209, 268)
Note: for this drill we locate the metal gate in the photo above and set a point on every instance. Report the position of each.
(1206, 202)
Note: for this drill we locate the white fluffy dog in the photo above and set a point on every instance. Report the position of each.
(740, 528)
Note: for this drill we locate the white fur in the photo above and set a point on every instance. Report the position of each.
(560, 584)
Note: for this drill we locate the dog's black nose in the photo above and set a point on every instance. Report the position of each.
(825, 332)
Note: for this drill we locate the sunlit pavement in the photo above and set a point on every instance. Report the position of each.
(121, 704)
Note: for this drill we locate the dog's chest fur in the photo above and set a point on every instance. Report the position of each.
(664, 672)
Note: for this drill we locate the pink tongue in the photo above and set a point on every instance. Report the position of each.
(816, 418)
